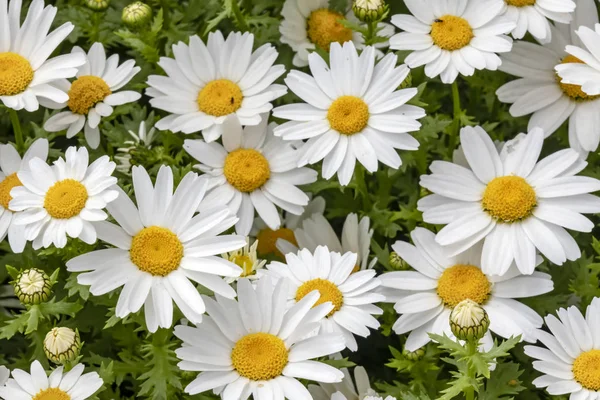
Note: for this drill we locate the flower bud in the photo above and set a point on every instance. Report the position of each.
(62, 345)
(397, 262)
(413, 355)
(33, 286)
(407, 82)
(136, 15)
(97, 5)
(369, 10)
(469, 321)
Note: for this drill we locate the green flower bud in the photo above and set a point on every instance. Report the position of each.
(369, 10)
(97, 5)
(62, 345)
(137, 15)
(33, 286)
(469, 321)
(414, 355)
(407, 82)
(397, 262)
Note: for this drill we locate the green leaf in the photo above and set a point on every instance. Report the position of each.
(501, 350)
(503, 383)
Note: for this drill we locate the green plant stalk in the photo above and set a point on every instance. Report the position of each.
(14, 119)
(371, 35)
(239, 16)
(164, 4)
(456, 119)
(471, 349)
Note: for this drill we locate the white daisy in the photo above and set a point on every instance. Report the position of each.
(4, 375)
(26, 74)
(247, 259)
(308, 24)
(10, 164)
(207, 83)
(532, 16)
(37, 385)
(93, 94)
(141, 138)
(352, 111)
(514, 205)
(571, 360)
(539, 91)
(426, 296)
(352, 294)
(252, 170)
(63, 199)
(454, 36)
(254, 346)
(159, 247)
(345, 390)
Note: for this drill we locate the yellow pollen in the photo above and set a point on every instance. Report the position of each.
(328, 291)
(245, 263)
(573, 91)
(356, 268)
(220, 97)
(246, 170)
(15, 74)
(156, 250)
(348, 115)
(6, 186)
(65, 199)
(51, 394)
(86, 92)
(267, 240)
(451, 32)
(259, 356)
(509, 199)
(324, 28)
(586, 370)
(520, 3)
(462, 282)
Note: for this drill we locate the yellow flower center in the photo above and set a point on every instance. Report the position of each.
(220, 97)
(6, 186)
(586, 369)
(509, 199)
(86, 92)
(573, 91)
(52, 394)
(348, 115)
(65, 199)
(356, 269)
(324, 28)
(267, 240)
(259, 356)
(156, 250)
(462, 282)
(15, 74)
(451, 32)
(245, 263)
(246, 170)
(520, 3)
(328, 291)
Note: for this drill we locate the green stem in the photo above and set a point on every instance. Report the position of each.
(372, 26)
(164, 4)
(456, 118)
(471, 349)
(239, 16)
(14, 118)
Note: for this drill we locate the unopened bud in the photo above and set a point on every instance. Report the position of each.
(369, 10)
(407, 82)
(62, 345)
(469, 321)
(137, 15)
(97, 5)
(397, 262)
(414, 355)
(33, 286)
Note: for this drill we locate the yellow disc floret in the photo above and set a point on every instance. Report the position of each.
(220, 97)
(246, 170)
(6, 186)
(245, 263)
(259, 356)
(65, 199)
(586, 370)
(520, 3)
(15, 74)
(348, 115)
(328, 291)
(156, 250)
(86, 92)
(573, 91)
(324, 28)
(52, 394)
(267, 240)
(462, 282)
(451, 32)
(509, 199)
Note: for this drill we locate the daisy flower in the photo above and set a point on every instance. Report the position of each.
(532, 16)
(4, 375)
(426, 296)
(252, 170)
(308, 24)
(570, 363)
(346, 389)
(352, 111)
(256, 346)
(247, 260)
(159, 247)
(540, 92)
(352, 294)
(142, 138)
(63, 199)
(93, 94)
(452, 37)
(37, 385)
(514, 205)
(11, 163)
(584, 68)
(207, 83)
(27, 77)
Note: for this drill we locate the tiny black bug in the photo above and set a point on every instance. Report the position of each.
(439, 20)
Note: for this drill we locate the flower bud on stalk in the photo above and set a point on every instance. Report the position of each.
(414, 355)
(97, 5)
(469, 321)
(397, 262)
(369, 10)
(33, 286)
(136, 15)
(62, 345)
